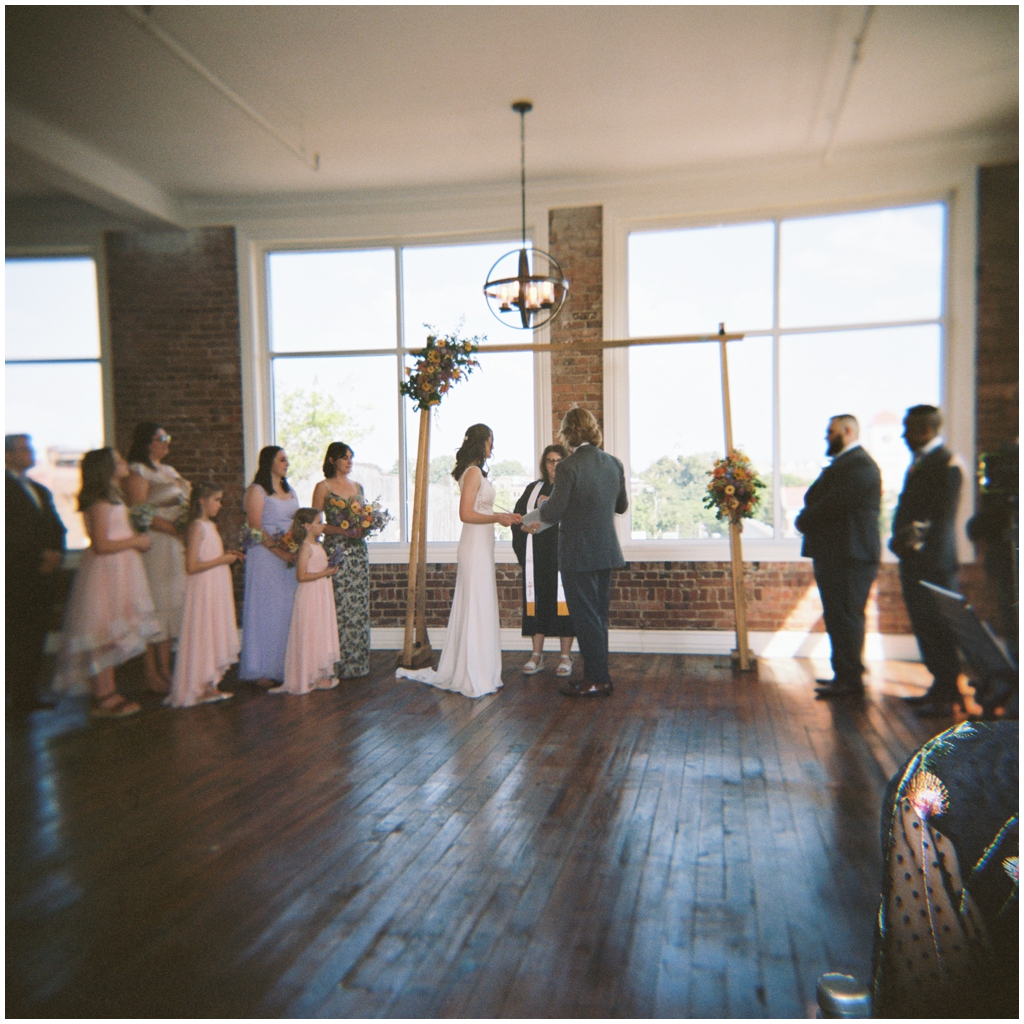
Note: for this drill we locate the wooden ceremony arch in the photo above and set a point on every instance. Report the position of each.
(416, 650)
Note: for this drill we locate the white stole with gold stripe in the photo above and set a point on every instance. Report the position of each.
(531, 588)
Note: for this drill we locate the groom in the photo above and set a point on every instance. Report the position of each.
(590, 487)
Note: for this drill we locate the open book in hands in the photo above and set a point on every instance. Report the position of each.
(533, 518)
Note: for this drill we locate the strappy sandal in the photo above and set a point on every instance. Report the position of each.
(114, 706)
(534, 665)
(564, 665)
(327, 684)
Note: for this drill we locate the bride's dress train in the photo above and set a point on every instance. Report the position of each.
(471, 659)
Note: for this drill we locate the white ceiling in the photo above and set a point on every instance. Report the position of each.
(397, 97)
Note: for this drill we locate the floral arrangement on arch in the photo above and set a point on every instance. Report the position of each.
(733, 488)
(443, 362)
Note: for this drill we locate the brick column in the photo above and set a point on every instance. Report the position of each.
(173, 302)
(997, 368)
(998, 363)
(575, 240)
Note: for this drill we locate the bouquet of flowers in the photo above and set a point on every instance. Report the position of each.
(142, 515)
(249, 538)
(288, 544)
(356, 517)
(438, 366)
(733, 489)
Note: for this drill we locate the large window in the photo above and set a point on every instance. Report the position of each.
(842, 314)
(338, 321)
(54, 385)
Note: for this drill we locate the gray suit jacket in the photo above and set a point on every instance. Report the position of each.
(590, 487)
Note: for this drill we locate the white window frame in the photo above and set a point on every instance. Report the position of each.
(94, 252)
(957, 350)
(258, 414)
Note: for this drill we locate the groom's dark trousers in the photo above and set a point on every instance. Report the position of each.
(590, 488)
(586, 594)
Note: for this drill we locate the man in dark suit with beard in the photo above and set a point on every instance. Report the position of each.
(924, 540)
(590, 488)
(34, 547)
(839, 522)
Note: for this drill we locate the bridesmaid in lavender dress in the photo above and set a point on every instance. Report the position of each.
(270, 505)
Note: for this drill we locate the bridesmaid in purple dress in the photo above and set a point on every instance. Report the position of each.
(270, 505)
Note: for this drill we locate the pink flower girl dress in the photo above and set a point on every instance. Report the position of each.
(313, 649)
(110, 616)
(208, 645)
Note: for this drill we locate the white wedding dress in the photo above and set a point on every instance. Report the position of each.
(471, 659)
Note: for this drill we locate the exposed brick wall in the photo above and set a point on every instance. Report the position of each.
(660, 595)
(173, 301)
(997, 400)
(575, 240)
(998, 365)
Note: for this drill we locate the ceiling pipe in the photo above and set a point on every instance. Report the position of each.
(854, 61)
(142, 17)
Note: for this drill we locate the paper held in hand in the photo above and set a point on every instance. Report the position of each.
(534, 517)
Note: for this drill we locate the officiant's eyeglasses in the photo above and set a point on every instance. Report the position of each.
(554, 458)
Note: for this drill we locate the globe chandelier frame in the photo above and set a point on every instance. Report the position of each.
(526, 299)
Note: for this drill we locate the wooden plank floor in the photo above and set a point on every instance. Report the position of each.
(699, 845)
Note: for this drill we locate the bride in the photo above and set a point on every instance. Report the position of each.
(471, 659)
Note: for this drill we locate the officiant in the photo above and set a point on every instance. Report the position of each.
(544, 609)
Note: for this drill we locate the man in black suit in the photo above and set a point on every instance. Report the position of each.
(590, 488)
(34, 549)
(839, 522)
(924, 540)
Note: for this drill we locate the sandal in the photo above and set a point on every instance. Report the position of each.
(534, 665)
(564, 665)
(327, 684)
(114, 706)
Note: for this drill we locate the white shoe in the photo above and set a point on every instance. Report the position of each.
(564, 665)
(277, 689)
(215, 697)
(534, 665)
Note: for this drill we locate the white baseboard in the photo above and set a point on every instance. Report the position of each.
(878, 646)
(782, 644)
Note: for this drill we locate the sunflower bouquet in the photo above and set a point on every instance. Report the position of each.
(733, 488)
(356, 517)
(439, 365)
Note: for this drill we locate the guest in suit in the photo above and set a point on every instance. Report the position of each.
(924, 540)
(839, 522)
(590, 488)
(34, 549)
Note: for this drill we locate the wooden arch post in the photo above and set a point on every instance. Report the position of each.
(416, 650)
(739, 596)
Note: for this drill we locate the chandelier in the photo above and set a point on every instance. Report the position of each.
(526, 287)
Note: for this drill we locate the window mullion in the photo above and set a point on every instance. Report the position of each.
(403, 447)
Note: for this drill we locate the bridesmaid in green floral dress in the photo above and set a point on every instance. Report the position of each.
(334, 495)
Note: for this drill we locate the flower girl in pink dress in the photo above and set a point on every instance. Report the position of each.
(110, 616)
(313, 649)
(208, 644)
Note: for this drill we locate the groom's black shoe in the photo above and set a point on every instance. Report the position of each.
(585, 689)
